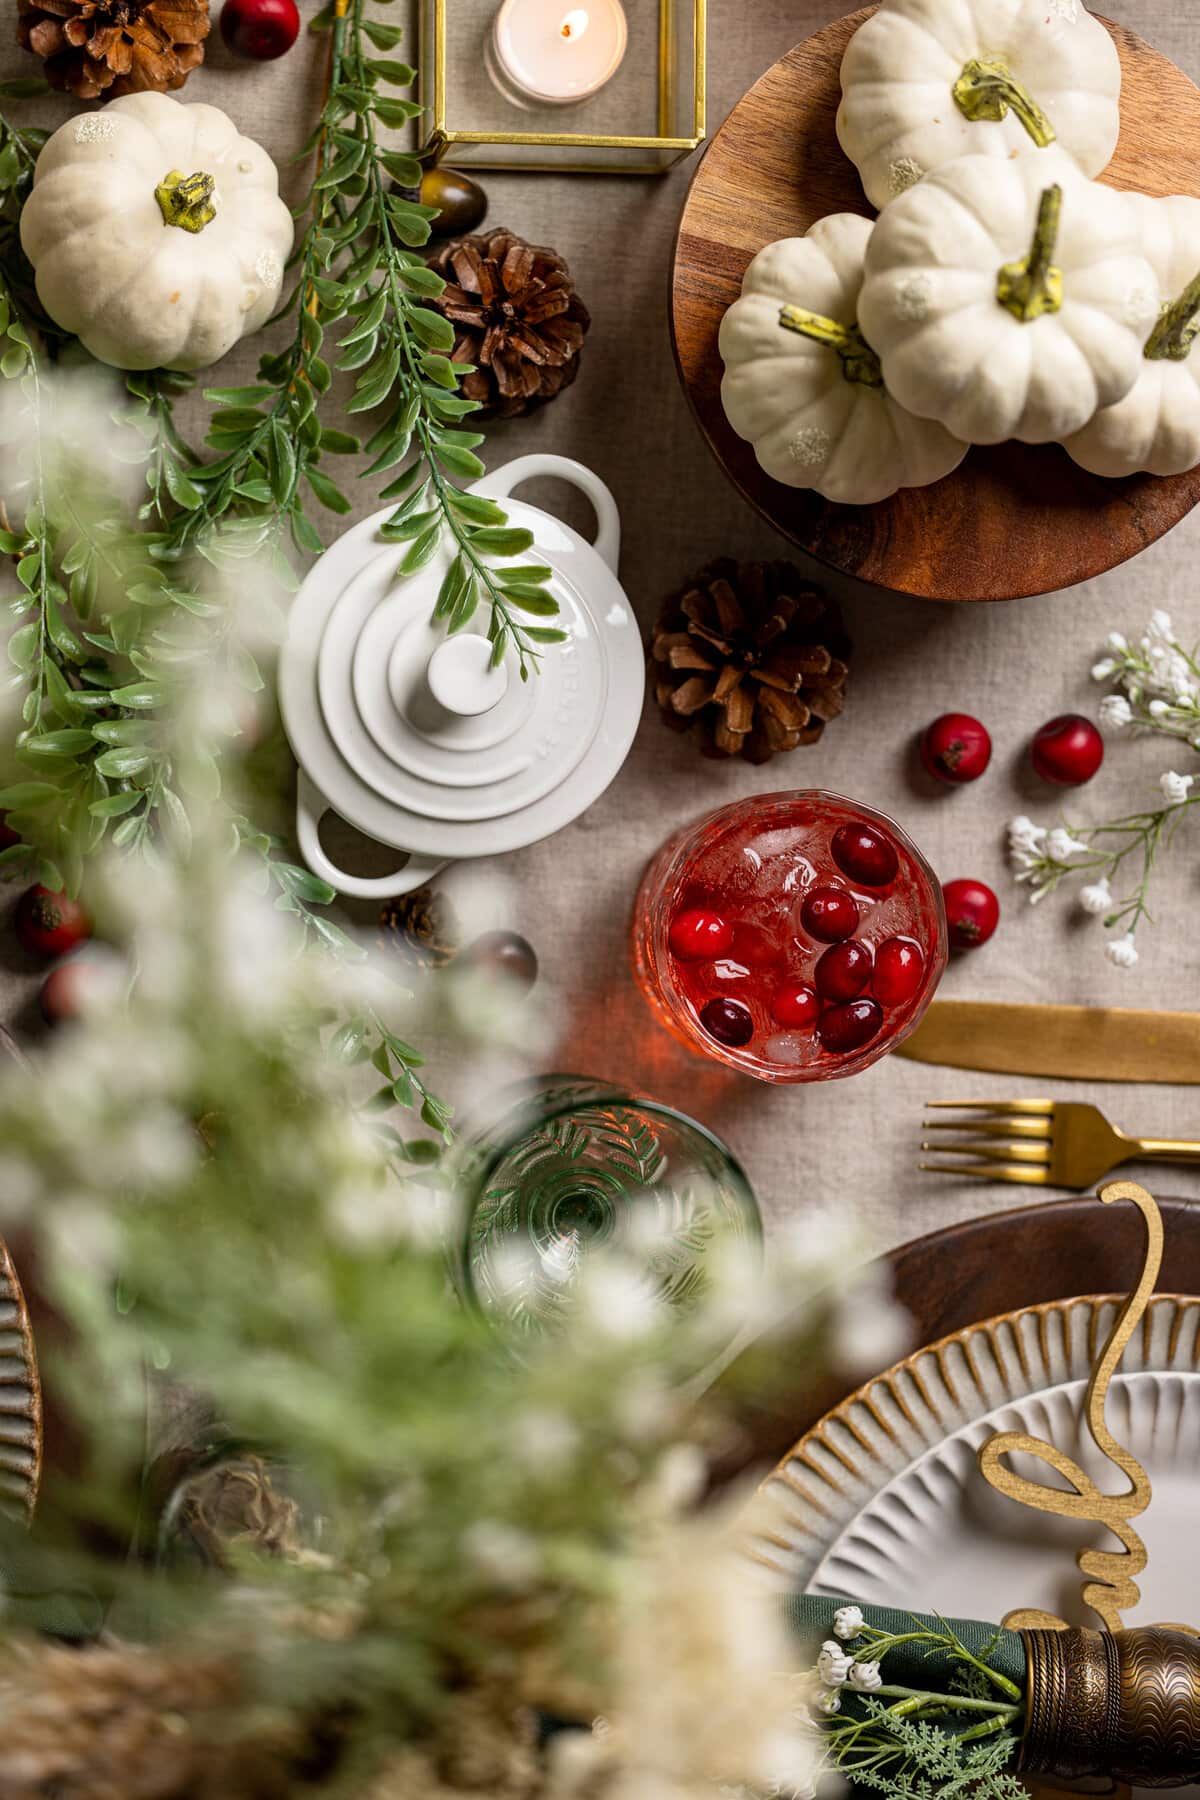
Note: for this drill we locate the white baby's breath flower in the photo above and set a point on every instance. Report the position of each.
(1160, 625)
(1097, 897)
(1122, 951)
(1062, 846)
(1117, 641)
(1158, 709)
(865, 1676)
(1024, 837)
(1175, 787)
(847, 1622)
(1115, 712)
(834, 1664)
(1105, 668)
(502, 1553)
(828, 1701)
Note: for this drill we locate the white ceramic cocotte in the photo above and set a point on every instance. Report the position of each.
(407, 734)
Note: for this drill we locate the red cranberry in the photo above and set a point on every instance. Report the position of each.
(899, 970)
(844, 970)
(49, 924)
(972, 913)
(849, 1027)
(80, 984)
(829, 914)
(956, 748)
(8, 837)
(795, 1006)
(260, 29)
(1068, 750)
(728, 1021)
(699, 934)
(865, 855)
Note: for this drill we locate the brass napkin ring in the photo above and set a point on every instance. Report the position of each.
(1123, 1704)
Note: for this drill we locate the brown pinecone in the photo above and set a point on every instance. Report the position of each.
(756, 654)
(423, 926)
(516, 316)
(100, 49)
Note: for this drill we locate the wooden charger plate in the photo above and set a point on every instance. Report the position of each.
(1013, 519)
(1002, 1263)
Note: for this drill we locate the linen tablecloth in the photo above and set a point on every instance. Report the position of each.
(851, 1143)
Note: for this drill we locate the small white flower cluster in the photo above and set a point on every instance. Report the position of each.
(838, 1667)
(1043, 858)
(1157, 683)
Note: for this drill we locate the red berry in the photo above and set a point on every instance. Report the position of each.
(795, 1006)
(865, 855)
(972, 913)
(49, 924)
(956, 748)
(700, 933)
(829, 914)
(844, 970)
(1068, 750)
(846, 1028)
(8, 837)
(899, 970)
(260, 29)
(728, 1021)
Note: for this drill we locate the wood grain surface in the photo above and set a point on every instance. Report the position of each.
(1012, 520)
(960, 1276)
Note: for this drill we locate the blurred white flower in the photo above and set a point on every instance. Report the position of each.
(1175, 787)
(502, 1554)
(617, 1300)
(828, 1701)
(1160, 626)
(847, 1622)
(1102, 670)
(869, 1330)
(544, 1439)
(1158, 709)
(1115, 711)
(1062, 846)
(866, 1677)
(1097, 897)
(677, 1481)
(1117, 641)
(1122, 951)
(834, 1664)
(1024, 836)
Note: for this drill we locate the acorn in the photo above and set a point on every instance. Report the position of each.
(462, 203)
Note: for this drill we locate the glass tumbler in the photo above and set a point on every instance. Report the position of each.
(794, 936)
(572, 1166)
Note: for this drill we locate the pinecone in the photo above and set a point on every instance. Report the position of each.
(100, 49)
(516, 316)
(756, 653)
(422, 926)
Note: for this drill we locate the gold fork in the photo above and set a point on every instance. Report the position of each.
(1043, 1143)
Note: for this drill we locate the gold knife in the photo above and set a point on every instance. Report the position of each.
(1074, 1043)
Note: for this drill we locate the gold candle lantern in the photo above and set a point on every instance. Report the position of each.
(642, 121)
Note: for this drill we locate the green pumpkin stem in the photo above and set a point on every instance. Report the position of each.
(186, 200)
(1034, 286)
(1178, 327)
(859, 361)
(987, 88)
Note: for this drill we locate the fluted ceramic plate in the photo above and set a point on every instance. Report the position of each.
(882, 1500)
(20, 1400)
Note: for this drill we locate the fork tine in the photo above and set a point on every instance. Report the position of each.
(991, 1172)
(994, 1153)
(1042, 1108)
(984, 1128)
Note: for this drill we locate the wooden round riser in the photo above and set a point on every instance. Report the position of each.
(1012, 520)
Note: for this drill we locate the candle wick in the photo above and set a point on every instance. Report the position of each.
(574, 24)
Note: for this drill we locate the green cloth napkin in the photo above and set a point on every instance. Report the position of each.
(911, 1665)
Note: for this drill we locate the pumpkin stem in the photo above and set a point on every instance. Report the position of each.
(859, 361)
(1178, 327)
(987, 88)
(1034, 285)
(188, 201)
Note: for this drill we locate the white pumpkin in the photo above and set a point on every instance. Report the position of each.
(156, 232)
(927, 81)
(1156, 426)
(803, 386)
(1009, 300)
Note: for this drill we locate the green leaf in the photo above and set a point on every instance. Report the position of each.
(140, 694)
(303, 885)
(61, 635)
(126, 832)
(340, 443)
(112, 806)
(28, 87)
(376, 383)
(545, 634)
(463, 463)
(502, 540)
(422, 551)
(305, 535)
(442, 370)
(396, 74)
(184, 492)
(384, 37)
(430, 329)
(396, 112)
(68, 742)
(477, 508)
(282, 459)
(399, 530)
(327, 492)
(239, 396)
(22, 646)
(123, 762)
(27, 794)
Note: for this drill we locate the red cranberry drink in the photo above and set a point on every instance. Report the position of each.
(798, 936)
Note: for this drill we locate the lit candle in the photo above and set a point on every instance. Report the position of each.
(550, 53)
